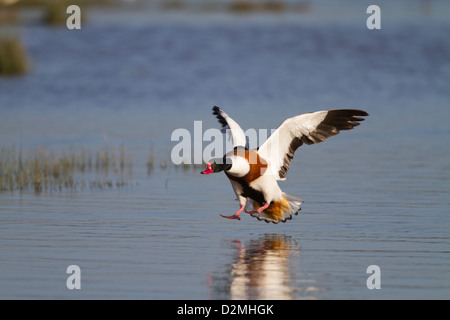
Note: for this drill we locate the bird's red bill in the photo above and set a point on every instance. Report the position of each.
(208, 169)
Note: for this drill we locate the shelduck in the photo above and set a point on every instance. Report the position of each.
(254, 173)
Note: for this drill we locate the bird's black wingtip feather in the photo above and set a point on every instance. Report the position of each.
(362, 113)
(218, 113)
(216, 110)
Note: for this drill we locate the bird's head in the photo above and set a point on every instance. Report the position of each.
(217, 165)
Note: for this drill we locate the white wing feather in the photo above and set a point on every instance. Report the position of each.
(231, 127)
(278, 150)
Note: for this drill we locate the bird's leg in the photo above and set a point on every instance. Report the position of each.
(236, 215)
(259, 210)
(264, 207)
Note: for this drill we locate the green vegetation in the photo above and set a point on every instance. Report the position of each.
(47, 171)
(55, 13)
(242, 6)
(66, 3)
(13, 60)
(251, 6)
(77, 169)
(174, 4)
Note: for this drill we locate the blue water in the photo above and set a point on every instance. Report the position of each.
(378, 195)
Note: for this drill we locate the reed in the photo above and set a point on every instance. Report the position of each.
(55, 13)
(13, 58)
(122, 158)
(174, 4)
(252, 6)
(46, 171)
(8, 16)
(44, 3)
(150, 163)
(242, 6)
(186, 165)
(274, 6)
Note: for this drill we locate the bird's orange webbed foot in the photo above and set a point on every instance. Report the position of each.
(236, 215)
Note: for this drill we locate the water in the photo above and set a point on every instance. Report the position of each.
(378, 195)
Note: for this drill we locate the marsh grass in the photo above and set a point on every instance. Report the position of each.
(187, 166)
(55, 13)
(8, 16)
(174, 4)
(252, 6)
(13, 58)
(166, 164)
(150, 163)
(43, 170)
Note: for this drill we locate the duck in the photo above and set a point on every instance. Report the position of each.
(254, 173)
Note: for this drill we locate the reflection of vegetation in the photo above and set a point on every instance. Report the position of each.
(13, 59)
(47, 171)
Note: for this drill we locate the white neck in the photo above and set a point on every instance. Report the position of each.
(239, 166)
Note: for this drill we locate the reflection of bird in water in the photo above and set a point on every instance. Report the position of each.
(261, 270)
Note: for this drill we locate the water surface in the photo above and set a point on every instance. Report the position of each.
(378, 195)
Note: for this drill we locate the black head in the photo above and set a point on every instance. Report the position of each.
(217, 165)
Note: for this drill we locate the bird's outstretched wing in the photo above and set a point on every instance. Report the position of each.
(231, 127)
(307, 128)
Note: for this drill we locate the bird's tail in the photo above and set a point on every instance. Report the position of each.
(279, 211)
